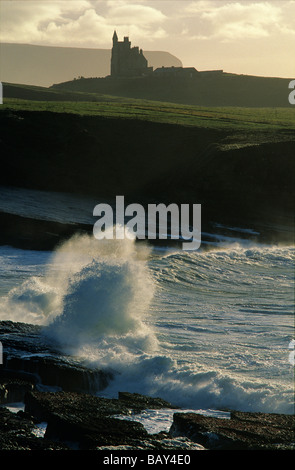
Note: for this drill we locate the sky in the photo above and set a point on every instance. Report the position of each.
(239, 36)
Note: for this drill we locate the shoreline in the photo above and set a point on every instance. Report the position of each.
(29, 233)
(62, 393)
(79, 421)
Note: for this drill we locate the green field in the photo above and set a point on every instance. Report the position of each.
(235, 118)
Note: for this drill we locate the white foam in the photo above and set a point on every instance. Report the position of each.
(106, 291)
(182, 326)
(155, 421)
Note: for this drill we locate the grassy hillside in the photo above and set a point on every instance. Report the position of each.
(205, 89)
(230, 118)
(39, 93)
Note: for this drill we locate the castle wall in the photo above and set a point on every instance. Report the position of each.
(127, 61)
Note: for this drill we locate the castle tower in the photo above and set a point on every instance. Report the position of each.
(127, 61)
(115, 56)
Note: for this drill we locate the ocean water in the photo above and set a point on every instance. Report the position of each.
(206, 330)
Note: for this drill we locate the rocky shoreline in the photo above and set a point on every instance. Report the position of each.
(76, 421)
(60, 394)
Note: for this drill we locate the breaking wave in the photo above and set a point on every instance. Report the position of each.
(201, 330)
(91, 291)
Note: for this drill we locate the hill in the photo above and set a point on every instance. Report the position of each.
(206, 89)
(45, 65)
(254, 122)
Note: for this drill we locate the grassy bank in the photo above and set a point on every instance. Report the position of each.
(230, 118)
(32, 98)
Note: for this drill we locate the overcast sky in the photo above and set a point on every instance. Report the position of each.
(240, 36)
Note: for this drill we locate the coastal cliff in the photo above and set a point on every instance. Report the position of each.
(237, 176)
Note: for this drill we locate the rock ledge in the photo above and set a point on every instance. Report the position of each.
(243, 431)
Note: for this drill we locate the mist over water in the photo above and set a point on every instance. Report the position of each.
(201, 329)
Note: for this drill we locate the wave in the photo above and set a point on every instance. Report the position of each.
(145, 314)
(198, 388)
(90, 289)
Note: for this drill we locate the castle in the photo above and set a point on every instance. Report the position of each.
(127, 61)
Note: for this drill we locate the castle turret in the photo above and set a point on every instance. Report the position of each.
(115, 38)
(127, 61)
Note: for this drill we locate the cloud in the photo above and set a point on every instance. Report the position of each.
(134, 14)
(137, 20)
(236, 20)
(77, 22)
(89, 27)
(32, 21)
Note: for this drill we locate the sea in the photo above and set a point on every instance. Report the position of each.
(210, 330)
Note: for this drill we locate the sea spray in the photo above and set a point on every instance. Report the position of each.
(33, 301)
(91, 289)
(107, 289)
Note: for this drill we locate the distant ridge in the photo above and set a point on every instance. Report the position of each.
(45, 65)
(204, 89)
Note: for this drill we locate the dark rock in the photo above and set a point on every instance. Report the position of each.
(142, 402)
(94, 431)
(35, 234)
(13, 390)
(89, 422)
(160, 441)
(244, 431)
(43, 405)
(84, 420)
(59, 372)
(17, 433)
(29, 355)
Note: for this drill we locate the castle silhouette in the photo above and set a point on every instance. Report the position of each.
(127, 61)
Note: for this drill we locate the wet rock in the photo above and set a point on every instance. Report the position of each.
(243, 431)
(94, 431)
(29, 355)
(84, 420)
(13, 390)
(58, 372)
(140, 402)
(17, 433)
(161, 441)
(42, 405)
(89, 422)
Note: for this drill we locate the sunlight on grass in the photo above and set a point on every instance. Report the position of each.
(198, 116)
